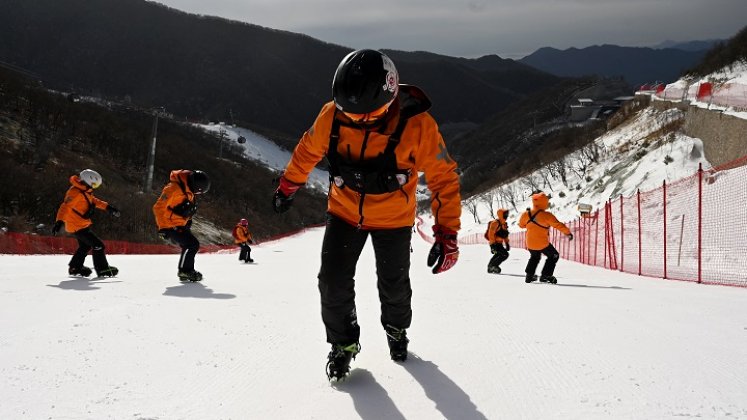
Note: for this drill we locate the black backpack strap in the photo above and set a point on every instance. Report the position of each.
(334, 140)
(532, 216)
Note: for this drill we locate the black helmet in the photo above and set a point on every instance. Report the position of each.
(198, 182)
(364, 81)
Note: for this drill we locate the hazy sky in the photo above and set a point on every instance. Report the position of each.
(472, 28)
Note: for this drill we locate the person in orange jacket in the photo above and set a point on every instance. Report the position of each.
(497, 236)
(538, 222)
(174, 210)
(242, 237)
(75, 214)
(377, 136)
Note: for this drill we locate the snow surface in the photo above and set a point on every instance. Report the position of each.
(248, 342)
(260, 149)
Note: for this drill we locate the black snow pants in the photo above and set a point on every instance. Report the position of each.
(183, 237)
(500, 254)
(552, 258)
(246, 252)
(341, 248)
(87, 241)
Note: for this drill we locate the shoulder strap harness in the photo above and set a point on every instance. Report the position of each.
(379, 175)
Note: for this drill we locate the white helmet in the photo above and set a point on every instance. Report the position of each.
(90, 178)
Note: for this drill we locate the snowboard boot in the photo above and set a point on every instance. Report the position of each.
(192, 276)
(530, 278)
(397, 339)
(494, 270)
(107, 272)
(548, 279)
(338, 360)
(81, 271)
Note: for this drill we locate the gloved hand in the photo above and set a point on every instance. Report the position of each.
(283, 197)
(445, 251)
(113, 211)
(494, 248)
(57, 226)
(249, 241)
(570, 236)
(508, 246)
(185, 209)
(163, 235)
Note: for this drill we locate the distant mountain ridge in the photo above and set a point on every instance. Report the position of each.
(699, 45)
(637, 65)
(214, 69)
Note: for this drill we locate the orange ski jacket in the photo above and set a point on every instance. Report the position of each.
(78, 206)
(538, 222)
(420, 149)
(241, 234)
(173, 194)
(496, 228)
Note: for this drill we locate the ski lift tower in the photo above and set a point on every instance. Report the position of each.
(148, 184)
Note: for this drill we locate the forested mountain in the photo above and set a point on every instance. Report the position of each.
(636, 65)
(722, 54)
(210, 68)
(45, 138)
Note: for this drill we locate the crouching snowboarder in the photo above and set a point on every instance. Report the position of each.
(75, 213)
(538, 222)
(174, 210)
(497, 236)
(242, 237)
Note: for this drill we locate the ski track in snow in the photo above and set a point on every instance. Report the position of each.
(248, 342)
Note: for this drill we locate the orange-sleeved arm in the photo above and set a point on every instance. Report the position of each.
(99, 203)
(440, 173)
(549, 219)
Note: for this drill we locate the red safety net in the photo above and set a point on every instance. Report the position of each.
(694, 229)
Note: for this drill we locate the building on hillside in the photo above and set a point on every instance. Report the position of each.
(588, 109)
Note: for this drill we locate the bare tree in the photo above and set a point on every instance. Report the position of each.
(489, 199)
(472, 208)
(545, 175)
(531, 182)
(508, 194)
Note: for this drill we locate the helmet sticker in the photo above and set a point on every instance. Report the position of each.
(391, 81)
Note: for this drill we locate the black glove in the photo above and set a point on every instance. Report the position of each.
(250, 241)
(163, 234)
(570, 236)
(57, 226)
(283, 197)
(113, 211)
(494, 248)
(508, 247)
(185, 209)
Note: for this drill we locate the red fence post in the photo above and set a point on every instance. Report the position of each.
(622, 236)
(700, 221)
(596, 237)
(639, 232)
(664, 184)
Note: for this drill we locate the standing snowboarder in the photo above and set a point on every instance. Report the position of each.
(75, 213)
(174, 210)
(242, 237)
(538, 222)
(497, 236)
(377, 135)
